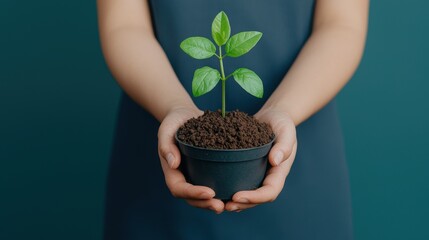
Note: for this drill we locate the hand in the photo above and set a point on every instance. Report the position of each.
(281, 158)
(169, 154)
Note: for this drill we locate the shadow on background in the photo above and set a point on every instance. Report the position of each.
(58, 105)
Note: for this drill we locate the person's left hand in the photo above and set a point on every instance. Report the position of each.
(281, 158)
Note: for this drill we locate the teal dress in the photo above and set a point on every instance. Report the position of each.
(315, 201)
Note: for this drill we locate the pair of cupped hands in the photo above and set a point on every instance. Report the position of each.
(280, 157)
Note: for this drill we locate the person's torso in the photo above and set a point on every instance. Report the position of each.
(285, 24)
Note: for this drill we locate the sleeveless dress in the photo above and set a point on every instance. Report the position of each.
(315, 202)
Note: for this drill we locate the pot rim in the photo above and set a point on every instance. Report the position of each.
(225, 150)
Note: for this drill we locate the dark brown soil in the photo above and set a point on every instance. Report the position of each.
(236, 131)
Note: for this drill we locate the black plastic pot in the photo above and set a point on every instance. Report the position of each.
(225, 171)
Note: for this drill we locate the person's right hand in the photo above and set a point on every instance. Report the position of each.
(169, 154)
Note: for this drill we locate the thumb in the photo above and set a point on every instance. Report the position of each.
(168, 150)
(283, 146)
(171, 154)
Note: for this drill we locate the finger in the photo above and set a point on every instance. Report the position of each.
(271, 187)
(189, 191)
(179, 188)
(215, 205)
(264, 194)
(169, 153)
(237, 207)
(167, 147)
(283, 147)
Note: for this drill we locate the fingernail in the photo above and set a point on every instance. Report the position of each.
(206, 195)
(214, 210)
(233, 208)
(278, 158)
(170, 159)
(242, 200)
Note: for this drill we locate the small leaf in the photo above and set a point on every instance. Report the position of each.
(205, 79)
(221, 30)
(249, 81)
(198, 47)
(242, 43)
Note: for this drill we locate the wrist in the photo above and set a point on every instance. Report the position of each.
(275, 109)
(187, 106)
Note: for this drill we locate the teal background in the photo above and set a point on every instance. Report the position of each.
(58, 105)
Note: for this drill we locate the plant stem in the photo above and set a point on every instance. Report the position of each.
(223, 81)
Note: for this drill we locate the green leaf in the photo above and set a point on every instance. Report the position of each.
(205, 79)
(249, 81)
(221, 30)
(198, 47)
(242, 43)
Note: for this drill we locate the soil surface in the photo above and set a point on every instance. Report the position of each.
(236, 130)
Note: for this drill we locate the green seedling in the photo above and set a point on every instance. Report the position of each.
(206, 78)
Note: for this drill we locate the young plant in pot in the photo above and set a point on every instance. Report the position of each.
(226, 151)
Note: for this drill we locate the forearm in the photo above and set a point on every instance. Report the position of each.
(323, 67)
(326, 62)
(142, 69)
